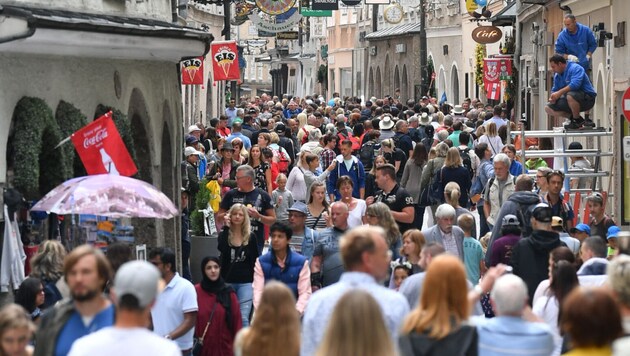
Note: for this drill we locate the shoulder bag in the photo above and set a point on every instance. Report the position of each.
(198, 342)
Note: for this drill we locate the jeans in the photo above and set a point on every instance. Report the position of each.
(186, 246)
(418, 219)
(245, 294)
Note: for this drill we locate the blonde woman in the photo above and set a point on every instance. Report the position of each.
(434, 165)
(370, 178)
(452, 194)
(357, 327)
(394, 156)
(378, 214)
(262, 169)
(47, 265)
(318, 207)
(16, 331)
(454, 171)
(492, 139)
(275, 330)
(237, 245)
(438, 322)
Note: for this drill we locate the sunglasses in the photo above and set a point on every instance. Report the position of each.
(557, 173)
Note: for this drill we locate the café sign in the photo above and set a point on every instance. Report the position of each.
(487, 34)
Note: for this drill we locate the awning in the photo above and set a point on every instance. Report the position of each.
(69, 33)
(505, 17)
(400, 30)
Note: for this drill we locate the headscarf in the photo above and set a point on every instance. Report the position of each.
(219, 288)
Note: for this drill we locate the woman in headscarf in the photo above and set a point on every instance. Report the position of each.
(219, 315)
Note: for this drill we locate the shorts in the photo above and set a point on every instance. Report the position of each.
(586, 101)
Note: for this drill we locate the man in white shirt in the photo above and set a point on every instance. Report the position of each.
(135, 288)
(175, 312)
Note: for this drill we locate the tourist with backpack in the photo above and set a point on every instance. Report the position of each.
(394, 156)
(347, 165)
(470, 161)
(454, 171)
(370, 149)
(411, 180)
(430, 173)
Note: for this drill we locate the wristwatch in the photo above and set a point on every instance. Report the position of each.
(479, 290)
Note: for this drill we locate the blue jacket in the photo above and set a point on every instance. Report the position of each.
(485, 172)
(575, 77)
(289, 275)
(288, 113)
(516, 168)
(578, 44)
(308, 244)
(356, 173)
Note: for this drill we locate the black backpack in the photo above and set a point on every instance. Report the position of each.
(367, 153)
(466, 161)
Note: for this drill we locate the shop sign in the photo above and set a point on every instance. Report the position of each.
(487, 34)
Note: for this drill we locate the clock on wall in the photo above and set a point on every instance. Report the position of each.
(393, 13)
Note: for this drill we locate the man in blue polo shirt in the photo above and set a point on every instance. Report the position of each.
(572, 92)
(86, 271)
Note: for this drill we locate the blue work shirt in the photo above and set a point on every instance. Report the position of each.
(75, 328)
(575, 77)
(578, 44)
(509, 335)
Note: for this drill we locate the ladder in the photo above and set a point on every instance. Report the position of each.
(562, 138)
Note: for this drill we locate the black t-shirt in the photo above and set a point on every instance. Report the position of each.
(396, 200)
(258, 199)
(237, 263)
(396, 156)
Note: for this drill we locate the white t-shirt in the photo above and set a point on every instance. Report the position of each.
(355, 215)
(124, 341)
(178, 297)
(547, 308)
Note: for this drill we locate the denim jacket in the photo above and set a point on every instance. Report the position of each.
(308, 244)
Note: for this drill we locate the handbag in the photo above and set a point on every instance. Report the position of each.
(198, 342)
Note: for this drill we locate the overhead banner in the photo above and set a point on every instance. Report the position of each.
(192, 71)
(225, 63)
(289, 35)
(325, 5)
(101, 148)
(377, 2)
(495, 70)
(287, 25)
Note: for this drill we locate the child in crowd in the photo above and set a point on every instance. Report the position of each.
(402, 270)
(473, 252)
(282, 199)
(611, 236)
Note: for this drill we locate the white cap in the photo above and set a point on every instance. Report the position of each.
(139, 279)
(190, 151)
(193, 128)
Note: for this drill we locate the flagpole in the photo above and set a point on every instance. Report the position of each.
(63, 141)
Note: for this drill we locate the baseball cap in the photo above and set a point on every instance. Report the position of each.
(299, 207)
(510, 219)
(190, 151)
(575, 146)
(542, 212)
(613, 231)
(139, 279)
(280, 128)
(193, 128)
(581, 228)
(596, 198)
(237, 121)
(557, 221)
(191, 140)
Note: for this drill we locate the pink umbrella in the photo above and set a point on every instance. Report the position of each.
(107, 195)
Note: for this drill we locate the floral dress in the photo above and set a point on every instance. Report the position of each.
(260, 180)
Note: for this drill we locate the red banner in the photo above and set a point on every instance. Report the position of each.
(225, 61)
(192, 71)
(495, 70)
(101, 148)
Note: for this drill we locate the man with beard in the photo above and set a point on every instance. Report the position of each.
(86, 272)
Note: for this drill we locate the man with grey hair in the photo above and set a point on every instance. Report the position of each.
(445, 232)
(498, 189)
(509, 332)
(313, 145)
(257, 201)
(619, 280)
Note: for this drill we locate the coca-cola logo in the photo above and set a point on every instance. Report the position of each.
(95, 139)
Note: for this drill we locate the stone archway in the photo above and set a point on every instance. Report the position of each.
(370, 89)
(599, 110)
(441, 84)
(378, 89)
(145, 230)
(455, 85)
(386, 83)
(396, 79)
(404, 89)
(167, 176)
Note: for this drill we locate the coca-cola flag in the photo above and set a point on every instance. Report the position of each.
(101, 148)
(225, 61)
(192, 71)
